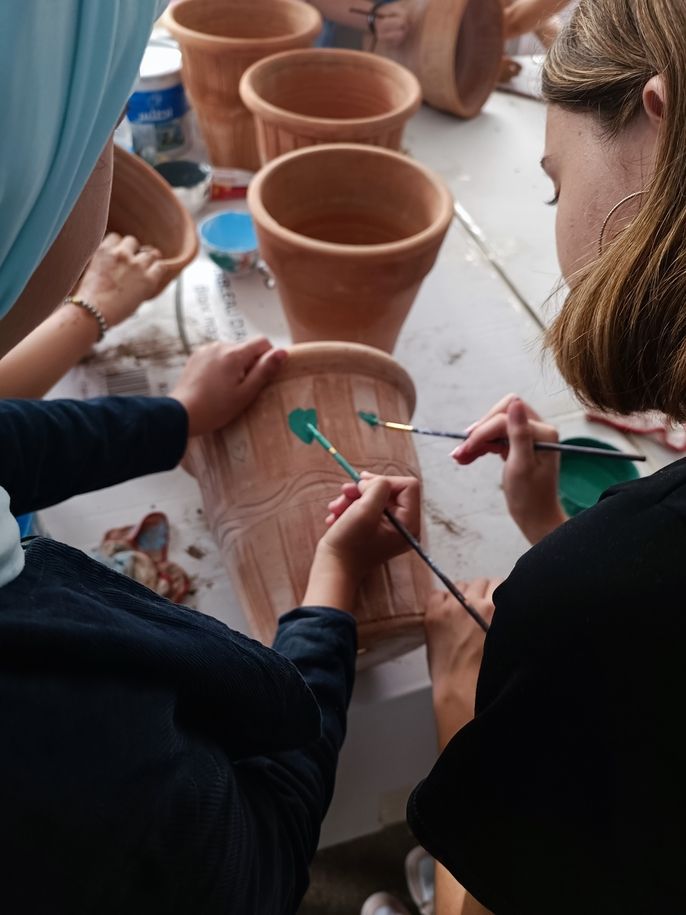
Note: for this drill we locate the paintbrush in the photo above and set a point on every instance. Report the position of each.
(374, 420)
(303, 423)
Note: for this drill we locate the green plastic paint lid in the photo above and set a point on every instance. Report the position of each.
(584, 477)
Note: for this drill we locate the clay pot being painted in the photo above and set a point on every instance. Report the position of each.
(144, 205)
(455, 48)
(220, 39)
(266, 492)
(301, 98)
(349, 233)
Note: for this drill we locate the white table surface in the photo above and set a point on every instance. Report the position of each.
(469, 340)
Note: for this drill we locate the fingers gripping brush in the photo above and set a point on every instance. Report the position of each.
(303, 423)
(373, 420)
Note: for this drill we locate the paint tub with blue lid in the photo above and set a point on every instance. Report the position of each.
(230, 241)
(158, 110)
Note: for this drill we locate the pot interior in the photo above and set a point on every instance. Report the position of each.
(352, 196)
(258, 19)
(328, 86)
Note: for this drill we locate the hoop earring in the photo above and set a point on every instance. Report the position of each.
(612, 213)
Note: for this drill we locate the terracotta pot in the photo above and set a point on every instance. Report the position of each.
(220, 39)
(265, 492)
(349, 233)
(455, 48)
(144, 205)
(301, 98)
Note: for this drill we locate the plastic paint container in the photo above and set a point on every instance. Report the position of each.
(230, 241)
(191, 181)
(584, 477)
(158, 110)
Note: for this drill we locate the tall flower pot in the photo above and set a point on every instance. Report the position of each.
(266, 492)
(302, 98)
(220, 39)
(144, 205)
(349, 233)
(455, 48)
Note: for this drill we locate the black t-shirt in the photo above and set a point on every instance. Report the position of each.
(567, 792)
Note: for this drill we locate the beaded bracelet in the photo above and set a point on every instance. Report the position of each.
(92, 310)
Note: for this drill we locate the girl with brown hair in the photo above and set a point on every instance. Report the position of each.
(565, 793)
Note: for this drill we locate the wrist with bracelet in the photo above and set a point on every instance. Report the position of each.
(103, 326)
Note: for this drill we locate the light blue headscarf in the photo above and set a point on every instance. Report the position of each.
(67, 68)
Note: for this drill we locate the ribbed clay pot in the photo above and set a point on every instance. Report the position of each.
(302, 98)
(349, 233)
(455, 48)
(144, 205)
(220, 39)
(266, 492)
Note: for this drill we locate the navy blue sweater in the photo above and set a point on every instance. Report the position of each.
(152, 760)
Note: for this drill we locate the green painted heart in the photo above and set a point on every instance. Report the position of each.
(299, 422)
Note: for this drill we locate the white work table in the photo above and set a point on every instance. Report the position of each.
(469, 340)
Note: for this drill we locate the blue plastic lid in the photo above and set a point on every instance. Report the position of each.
(229, 231)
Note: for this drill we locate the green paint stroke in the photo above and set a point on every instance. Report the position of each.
(303, 423)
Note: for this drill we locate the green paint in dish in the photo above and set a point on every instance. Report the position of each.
(584, 478)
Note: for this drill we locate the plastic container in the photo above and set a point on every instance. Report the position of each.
(584, 477)
(158, 110)
(190, 181)
(230, 241)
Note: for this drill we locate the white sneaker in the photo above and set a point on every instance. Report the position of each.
(383, 904)
(419, 873)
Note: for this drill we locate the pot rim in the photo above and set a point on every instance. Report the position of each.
(265, 221)
(355, 359)
(190, 36)
(191, 244)
(261, 107)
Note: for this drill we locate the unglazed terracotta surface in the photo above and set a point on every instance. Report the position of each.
(349, 233)
(455, 48)
(266, 492)
(144, 205)
(220, 39)
(301, 98)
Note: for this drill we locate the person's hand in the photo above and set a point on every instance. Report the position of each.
(524, 16)
(221, 379)
(393, 24)
(121, 276)
(359, 537)
(455, 645)
(530, 478)
(358, 533)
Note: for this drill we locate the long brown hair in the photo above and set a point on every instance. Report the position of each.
(620, 338)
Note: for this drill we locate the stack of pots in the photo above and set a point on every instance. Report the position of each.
(220, 40)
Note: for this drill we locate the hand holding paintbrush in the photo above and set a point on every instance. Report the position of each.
(530, 476)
